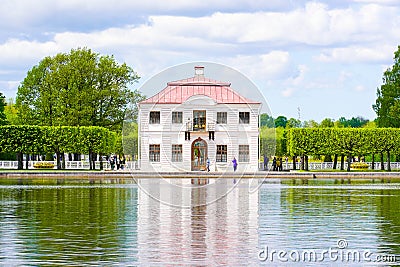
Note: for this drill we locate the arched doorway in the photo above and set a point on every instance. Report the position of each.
(199, 154)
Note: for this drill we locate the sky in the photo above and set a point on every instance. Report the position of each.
(310, 59)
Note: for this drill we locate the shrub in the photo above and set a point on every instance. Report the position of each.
(43, 165)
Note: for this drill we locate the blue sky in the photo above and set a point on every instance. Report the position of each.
(325, 58)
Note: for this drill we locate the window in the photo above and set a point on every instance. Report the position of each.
(222, 117)
(154, 117)
(244, 153)
(199, 120)
(176, 117)
(244, 117)
(154, 153)
(222, 153)
(177, 153)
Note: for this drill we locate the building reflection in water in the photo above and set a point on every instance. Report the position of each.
(197, 224)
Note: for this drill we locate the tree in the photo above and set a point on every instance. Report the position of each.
(387, 104)
(327, 123)
(3, 118)
(11, 112)
(267, 120)
(80, 88)
(281, 121)
(293, 123)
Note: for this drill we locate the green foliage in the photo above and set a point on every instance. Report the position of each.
(3, 118)
(267, 120)
(293, 123)
(11, 112)
(387, 104)
(80, 88)
(343, 141)
(281, 121)
(51, 139)
(353, 122)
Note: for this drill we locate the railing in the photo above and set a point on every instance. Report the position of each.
(200, 127)
(329, 165)
(69, 165)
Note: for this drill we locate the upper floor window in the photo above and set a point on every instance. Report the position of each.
(199, 120)
(176, 117)
(222, 117)
(154, 117)
(244, 117)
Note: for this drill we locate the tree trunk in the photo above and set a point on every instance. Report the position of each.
(63, 161)
(101, 161)
(58, 159)
(26, 161)
(335, 162)
(373, 162)
(341, 162)
(306, 162)
(302, 163)
(20, 158)
(90, 160)
(388, 161)
(94, 157)
(294, 162)
(348, 162)
(382, 163)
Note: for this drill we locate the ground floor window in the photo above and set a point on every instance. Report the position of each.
(222, 153)
(244, 153)
(177, 153)
(154, 153)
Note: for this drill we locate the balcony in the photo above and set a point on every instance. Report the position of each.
(200, 126)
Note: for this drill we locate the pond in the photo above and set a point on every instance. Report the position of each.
(227, 222)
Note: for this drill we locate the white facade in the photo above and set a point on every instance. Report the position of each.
(195, 119)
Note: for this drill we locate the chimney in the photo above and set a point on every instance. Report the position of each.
(199, 71)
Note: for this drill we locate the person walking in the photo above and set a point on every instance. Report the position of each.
(266, 159)
(274, 164)
(234, 162)
(208, 164)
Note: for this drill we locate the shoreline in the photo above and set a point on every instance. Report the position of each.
(196, 174)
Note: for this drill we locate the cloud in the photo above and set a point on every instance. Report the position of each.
(351, 54)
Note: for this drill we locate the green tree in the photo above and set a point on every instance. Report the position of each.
(327, 123)
(3, 118)
(267, 120)
(11, 112)
(293, 123)
(80, 88)
(387, 104)
(281, 121)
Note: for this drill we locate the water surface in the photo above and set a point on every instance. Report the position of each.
(120, 223)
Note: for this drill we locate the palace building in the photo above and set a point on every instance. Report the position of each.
(197, 118)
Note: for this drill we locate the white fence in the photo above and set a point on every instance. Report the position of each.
(69, 165)
(329, 165)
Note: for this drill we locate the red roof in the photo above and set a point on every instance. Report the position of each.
(178, 92)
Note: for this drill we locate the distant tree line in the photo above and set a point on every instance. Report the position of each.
(283, 122)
